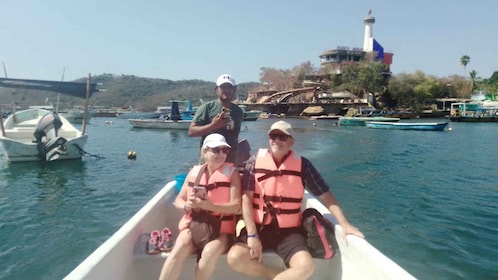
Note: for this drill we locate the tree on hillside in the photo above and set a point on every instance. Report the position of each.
(284, 79)
(364, 78)
(473, 80)
(464, 60)
(277, 78)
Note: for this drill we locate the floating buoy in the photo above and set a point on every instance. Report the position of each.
(450, 129)
(314, 124)
(132, 155)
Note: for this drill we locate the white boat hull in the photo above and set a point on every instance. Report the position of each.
(123, 257)
(17, 138)
(160, 124)
(138, 115)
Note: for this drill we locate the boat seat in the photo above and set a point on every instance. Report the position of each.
(20, 134)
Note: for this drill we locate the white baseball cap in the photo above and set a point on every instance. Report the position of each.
(215, 140)
(225, 78)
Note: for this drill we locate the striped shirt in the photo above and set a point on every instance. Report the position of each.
(312, 180)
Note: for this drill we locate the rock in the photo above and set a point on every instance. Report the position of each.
(313, 111)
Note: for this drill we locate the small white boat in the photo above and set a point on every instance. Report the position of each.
(123, 255)
(325, 117)
(175, 120)
(41, 135)
(436, 126)
(250, 115)
(76, 115)
(37, 134)
(137, 115)
(160, 123)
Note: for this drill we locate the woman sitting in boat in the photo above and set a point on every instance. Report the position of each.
(222, 199)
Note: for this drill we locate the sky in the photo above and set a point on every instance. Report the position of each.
(186, 39)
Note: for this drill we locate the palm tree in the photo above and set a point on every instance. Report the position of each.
(473, 80)
(464, 60)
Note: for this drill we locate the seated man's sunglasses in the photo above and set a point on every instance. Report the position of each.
(281, 137)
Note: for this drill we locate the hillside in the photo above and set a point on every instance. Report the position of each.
(125, 90)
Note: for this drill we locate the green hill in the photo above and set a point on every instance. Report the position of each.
(126, 90)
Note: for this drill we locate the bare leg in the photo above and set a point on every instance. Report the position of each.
(301, 267)
(174, 263)
(209, 257)
(239, 260)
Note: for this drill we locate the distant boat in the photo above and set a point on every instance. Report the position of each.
(137, 115)
(325, 117)
(473, 112)
(360, 121)
(133, 114)
(266, 115)
(250, 115)
(175, 120)
(76, 116)
(436, 126)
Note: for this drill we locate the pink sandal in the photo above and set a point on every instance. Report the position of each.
(166, 240)
(153, 246)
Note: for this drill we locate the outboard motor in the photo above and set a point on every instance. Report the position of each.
(50, 145)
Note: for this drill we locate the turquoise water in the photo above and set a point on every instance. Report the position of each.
(428, 200)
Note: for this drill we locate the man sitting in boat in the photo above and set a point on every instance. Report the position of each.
(273, 191)
(222, 200)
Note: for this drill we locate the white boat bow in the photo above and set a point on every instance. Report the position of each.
(123, 255)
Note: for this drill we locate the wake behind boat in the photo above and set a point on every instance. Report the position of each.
(123, 255)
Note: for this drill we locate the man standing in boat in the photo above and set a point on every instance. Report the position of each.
(220, 116)
(273, 190)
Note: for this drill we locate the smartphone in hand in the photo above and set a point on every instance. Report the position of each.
(200, 192)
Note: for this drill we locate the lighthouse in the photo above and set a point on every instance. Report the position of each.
(368, 38)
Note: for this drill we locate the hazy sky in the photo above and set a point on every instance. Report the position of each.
(188, 39)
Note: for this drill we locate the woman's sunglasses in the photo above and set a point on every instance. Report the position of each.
(281, 137)
(217, 150)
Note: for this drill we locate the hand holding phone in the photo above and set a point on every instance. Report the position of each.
(200, 192)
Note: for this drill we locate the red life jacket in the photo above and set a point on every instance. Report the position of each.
(218, 191)
(279, 191)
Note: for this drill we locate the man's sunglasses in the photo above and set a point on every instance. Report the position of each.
(217, 150)
(281, 137)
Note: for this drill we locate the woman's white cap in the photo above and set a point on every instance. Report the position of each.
(215, 140)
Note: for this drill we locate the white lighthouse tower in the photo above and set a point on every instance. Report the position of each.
(368, 39)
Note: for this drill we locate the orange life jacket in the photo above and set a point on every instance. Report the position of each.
(218, 191)
(279, 191)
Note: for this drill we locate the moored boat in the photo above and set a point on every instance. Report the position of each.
(436, 126)
(76, 116)
(40, 135)
(175, 120)
(123, 255)
(360, 121)
(160, 124)
(250, 115)
(325, 117)
(37, 134)
(473, 112)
